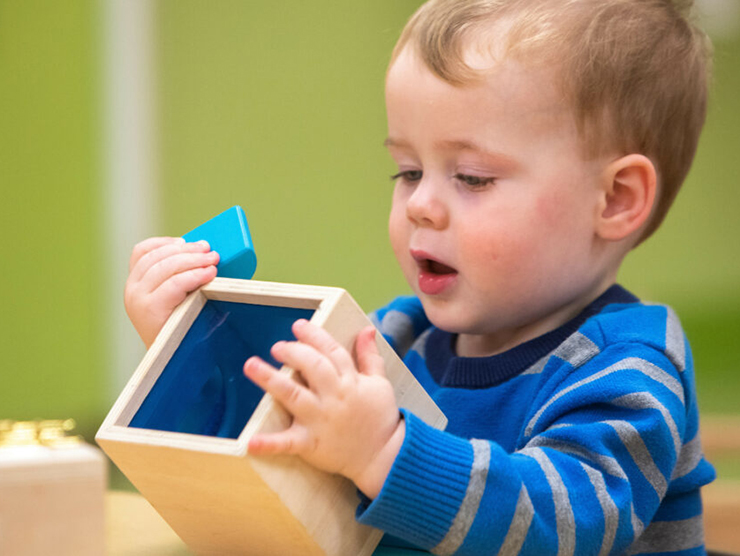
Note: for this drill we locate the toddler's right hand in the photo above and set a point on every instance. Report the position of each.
(162, 272)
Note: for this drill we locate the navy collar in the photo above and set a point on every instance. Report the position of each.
(449, 370)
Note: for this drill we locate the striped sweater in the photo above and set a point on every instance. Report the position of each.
(582, 441)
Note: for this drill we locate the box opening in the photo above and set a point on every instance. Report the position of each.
(202, 389)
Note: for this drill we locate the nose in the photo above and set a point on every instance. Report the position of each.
(426, 207)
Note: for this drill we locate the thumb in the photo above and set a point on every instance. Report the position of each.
(369, 359)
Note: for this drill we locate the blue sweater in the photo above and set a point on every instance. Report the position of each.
(582, 441)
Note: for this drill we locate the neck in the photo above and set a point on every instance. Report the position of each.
(484, 345)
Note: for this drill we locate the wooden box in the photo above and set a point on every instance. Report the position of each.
(179, 430)
(51, 494)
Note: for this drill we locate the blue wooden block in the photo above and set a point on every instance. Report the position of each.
(228, 235)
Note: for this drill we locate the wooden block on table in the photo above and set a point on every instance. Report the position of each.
(51, 497)
(179, 430)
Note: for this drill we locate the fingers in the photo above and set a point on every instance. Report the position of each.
(293, 440)
(295, 398)
(315, 368)
(163, 272)
(160, 262)
(341, 418)
(148, 245)
(171, 268)
(321, 360)
(164, 276)
(369, 359)
(325, 344)
(172, 292)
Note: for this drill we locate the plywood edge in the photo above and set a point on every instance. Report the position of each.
(268, 293)
(182, 441)
(156, 358)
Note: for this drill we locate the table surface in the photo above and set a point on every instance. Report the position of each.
(134, 528)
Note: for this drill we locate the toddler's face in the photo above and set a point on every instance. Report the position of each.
(494, 206)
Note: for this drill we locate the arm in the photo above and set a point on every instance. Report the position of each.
(594, 461)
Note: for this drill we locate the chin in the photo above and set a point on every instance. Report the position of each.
(441, 317)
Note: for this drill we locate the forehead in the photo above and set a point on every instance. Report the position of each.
(505, 89)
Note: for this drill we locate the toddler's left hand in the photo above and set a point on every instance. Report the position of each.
(345, 417)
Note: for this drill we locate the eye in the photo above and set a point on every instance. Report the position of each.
(408, 176)
(474, 182)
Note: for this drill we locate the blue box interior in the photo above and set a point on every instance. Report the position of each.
(202, 389)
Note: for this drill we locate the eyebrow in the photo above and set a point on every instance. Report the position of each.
(457, 145)
(390, 142)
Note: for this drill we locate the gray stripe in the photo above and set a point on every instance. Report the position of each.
(374, 319)
(691, 455)
(607, 464)
(632, 440)
(537, 367)
(630, 363)
(469, 507)
(419, 346)
(576, 349)
(611, 512)
(564, 520)
(519, 527)
(670, 536)
(645, 400)
(398, 326)
(675, 348)
(637, 525)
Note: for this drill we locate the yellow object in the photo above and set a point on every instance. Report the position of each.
(52, 433)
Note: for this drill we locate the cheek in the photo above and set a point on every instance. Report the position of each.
(506, 251)
(483, 248)
(397, 229)
(565, 204)
(551, 211)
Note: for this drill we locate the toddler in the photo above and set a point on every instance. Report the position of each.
(537, 143)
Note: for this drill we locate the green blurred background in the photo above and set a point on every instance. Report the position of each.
(278, 107)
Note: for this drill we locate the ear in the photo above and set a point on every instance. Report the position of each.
(627, 197)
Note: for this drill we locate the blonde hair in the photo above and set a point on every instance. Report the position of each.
(636, 72)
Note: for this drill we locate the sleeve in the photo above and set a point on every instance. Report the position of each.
(401, 322)
(595, 458)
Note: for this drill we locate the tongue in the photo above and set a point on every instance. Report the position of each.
(439, 268)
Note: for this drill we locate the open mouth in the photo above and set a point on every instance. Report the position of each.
(429, 264)
(435, 267)
(435, 277)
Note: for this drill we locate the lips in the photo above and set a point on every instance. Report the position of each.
(434, 276)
